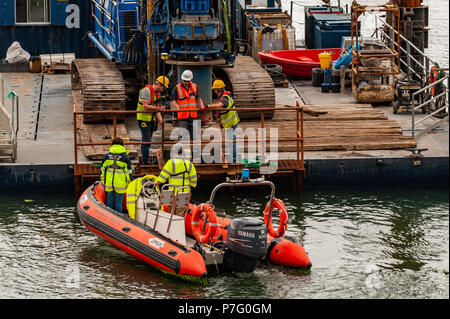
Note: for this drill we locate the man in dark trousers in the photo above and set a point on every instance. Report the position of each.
(148, 122)
(185, 97)
(116, 174)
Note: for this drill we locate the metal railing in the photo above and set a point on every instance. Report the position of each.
(443, 96)
(409, 45)
(422, 70)
(9, 121)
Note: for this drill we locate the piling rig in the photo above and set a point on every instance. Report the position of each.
(133, 35)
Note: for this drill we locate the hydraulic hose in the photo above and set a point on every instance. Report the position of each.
(227, 24)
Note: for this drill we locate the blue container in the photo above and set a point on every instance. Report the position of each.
(330, 28)
(245, 174)
(325, 87)
(347, 58)
(335, 87)
(54, 37)
(327, 75)
(310, 22)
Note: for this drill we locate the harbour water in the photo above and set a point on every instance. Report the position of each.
(390, 243)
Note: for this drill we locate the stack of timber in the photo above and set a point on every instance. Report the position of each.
(345, 127)
(252, 86)
(102, 88)
(98, 133)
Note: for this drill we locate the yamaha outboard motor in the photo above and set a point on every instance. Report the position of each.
(246, 241)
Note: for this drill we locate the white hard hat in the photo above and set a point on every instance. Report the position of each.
(187, 75)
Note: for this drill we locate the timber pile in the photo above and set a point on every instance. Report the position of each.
(98, 133)
(334, 128)
(252, 86)
(344, 127)
(102, 88)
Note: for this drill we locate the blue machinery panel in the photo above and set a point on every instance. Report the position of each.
(195, 6)
(114, 25)
(195, 31)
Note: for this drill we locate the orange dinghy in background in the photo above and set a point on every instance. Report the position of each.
(198, 242)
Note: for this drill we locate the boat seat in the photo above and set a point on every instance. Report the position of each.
(167, 196)
(183, 199)
(177, 196)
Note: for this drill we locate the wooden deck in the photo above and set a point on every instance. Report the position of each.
(215, 172)
(341, 127)
(98, 133)
(344, 127)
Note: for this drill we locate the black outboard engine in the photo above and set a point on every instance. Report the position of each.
(246, 242)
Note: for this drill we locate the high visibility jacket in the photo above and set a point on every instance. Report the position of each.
(133, 191)
(179, 172)
(187, 100)
(229, 118)
(116, 170)
(147, 117)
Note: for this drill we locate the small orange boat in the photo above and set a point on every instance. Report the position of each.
(201, 242)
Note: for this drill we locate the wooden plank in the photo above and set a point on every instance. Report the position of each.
(89, 151)
(122, 132)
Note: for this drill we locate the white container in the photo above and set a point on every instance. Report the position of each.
(67, 58)
(273, 41)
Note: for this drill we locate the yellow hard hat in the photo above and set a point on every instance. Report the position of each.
(164, 81)
(218, 84)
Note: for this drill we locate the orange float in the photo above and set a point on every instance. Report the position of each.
(211, 227)
(283, 218)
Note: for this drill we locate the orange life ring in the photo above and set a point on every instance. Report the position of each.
(212, 221)
(433, 76)
(283, 218)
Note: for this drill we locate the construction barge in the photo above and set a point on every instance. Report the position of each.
(324, 139)
(353, 145)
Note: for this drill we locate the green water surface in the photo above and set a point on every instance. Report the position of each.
(362, 244)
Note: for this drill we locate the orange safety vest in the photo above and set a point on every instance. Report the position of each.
(187, 101)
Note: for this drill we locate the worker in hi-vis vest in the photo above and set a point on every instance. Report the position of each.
(228, 117)
(178, 171)
(116, 174)
(185, 97)
(134, 190)
(149, 122)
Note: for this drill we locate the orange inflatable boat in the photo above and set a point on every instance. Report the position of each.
(196, 242)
